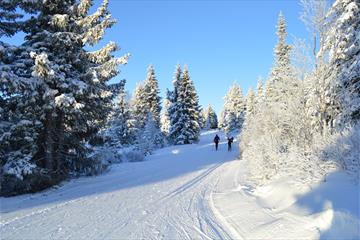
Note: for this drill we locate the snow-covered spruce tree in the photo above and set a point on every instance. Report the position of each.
(146, 99)
(153, 100)
(150, 138)
(202, 119)
(250, 102)
(281, 75)
(139, 106)
(9, 18)
(185, 127)
(165, 115)
(12, 20)
(343, 44)
(174, 113)
(260, 94)
(65, 84)
(211, 121)
(233, 113)
(121, 126)
(19, 125)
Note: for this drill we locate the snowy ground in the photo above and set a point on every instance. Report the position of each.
(184, 192)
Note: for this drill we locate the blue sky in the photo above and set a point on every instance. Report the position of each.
(220, 41)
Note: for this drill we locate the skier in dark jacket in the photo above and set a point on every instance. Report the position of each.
(216, 141)
(230, 141)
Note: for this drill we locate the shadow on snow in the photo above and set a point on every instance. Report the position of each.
(165, 164)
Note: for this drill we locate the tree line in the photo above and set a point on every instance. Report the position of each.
(306, 122)
(57, 110)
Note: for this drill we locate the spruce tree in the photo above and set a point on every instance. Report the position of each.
(281, 73)
(260, 94)
(152, 91)
(202, 118)
(211, 121)
(122, 124)
(185, 127)
(250, 102)
(63, 84)
(165, 115)
(174, 109)
(233, 110)
(150, 137)
(12, 20)
(343, 44)
(139, 106)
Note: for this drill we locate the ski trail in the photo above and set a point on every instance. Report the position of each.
(168, 196)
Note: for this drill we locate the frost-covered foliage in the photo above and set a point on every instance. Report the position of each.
(233, 113)
(202, 119)
(211, 121)
(250, 102)
(152, 92)
(342, 148)
(121, 128)
(146, 100)
(139, 106)
(52, 82)
(305, 127)
(150, 138)
(278, 137)
(184, 110)
(281, 76)
(12, 20)
(165, 115)
(260, 93)
(342, 43)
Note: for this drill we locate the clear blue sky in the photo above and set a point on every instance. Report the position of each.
(220, 41)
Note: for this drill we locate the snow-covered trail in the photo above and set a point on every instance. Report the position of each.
(184, 192)
(168, 196)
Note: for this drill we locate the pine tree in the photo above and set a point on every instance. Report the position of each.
(184, 120)
(152, 91)
(211, 121)
(60, 80)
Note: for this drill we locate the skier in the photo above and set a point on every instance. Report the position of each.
(216, 141)
(230, 140)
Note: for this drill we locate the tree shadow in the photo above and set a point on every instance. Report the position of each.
(335, 205)
(165, 164)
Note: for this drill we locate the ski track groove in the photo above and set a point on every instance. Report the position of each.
(151, 205)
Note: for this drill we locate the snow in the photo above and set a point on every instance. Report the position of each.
(288, 209)
(185, 192)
